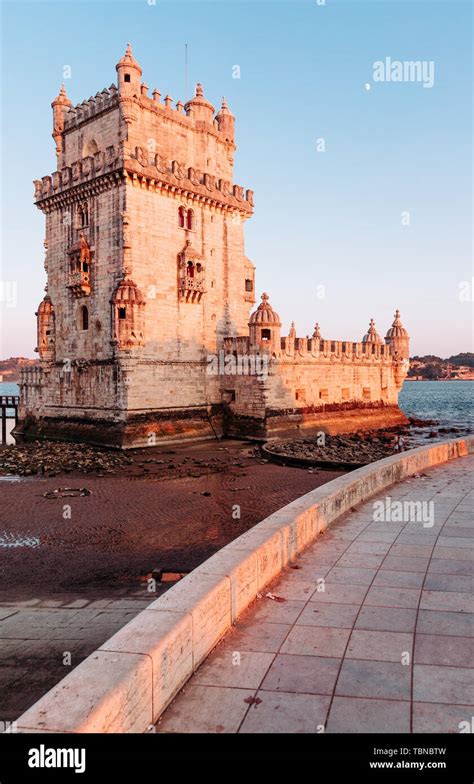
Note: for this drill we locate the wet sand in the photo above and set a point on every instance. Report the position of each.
(171, 514)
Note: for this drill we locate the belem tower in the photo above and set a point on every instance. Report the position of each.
(148, 331)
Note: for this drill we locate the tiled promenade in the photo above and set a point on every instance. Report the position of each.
(372, 632)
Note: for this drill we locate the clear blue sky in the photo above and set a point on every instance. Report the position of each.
(325, 222)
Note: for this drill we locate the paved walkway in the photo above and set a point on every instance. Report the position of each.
(370, 632)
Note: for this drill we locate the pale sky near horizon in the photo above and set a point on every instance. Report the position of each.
(328, 235)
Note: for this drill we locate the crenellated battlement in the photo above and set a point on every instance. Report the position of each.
(151, 171)
(314, 349)
(103, 101)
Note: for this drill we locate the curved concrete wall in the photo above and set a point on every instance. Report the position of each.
(126, 684)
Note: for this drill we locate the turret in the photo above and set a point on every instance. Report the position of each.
(317, 332)
(264, 327)
(226, 122)
(200, 109)
(127, 303)
(372, 336)
(128, 75)
(398, 338)
(128, 81)
(60, 106)
(46, 330)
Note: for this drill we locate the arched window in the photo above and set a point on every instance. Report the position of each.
(84, 315)
(83, 214)
(122, 313)
(190, 220)
(190, 269)
(126, 78)
(181, 217)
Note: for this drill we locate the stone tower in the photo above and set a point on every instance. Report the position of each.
(145, 262)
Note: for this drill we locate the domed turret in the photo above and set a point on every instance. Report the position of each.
(200, 108)
(398, 338)
(128, 81)
(372, 336)
(128, 303)
(264, 326)
(46, 330)
(60, 106)
(226, 121)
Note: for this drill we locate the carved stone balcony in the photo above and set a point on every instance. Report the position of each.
(79, 283)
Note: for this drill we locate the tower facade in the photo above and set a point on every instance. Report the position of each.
(145, 262)
(148, 283)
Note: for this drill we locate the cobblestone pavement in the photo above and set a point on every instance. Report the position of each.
(372, 631)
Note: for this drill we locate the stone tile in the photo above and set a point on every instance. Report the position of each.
(395, 619)
(371, 548)
(443, 566)
(386, 537)
(264, 637)
(453, 553)
(291, 586)
(457, 530)
(6, 613)
(280, 712)
(336, 593)
(403, 563)
(353, 715)
(302, 674)
(316, 641)
(329, 615)
(436, 718)
(379, 645)
(453, 685)
(458, 541)
(244, 670)
(384, 680)
(277, 612)
(442, 649)
(311, 571)
(411, 550)
(351, 575)
(448, 582)
(210, 709)
(365, 560)
(379, 596)
(390, 579)
(447, 600)
(444, 622)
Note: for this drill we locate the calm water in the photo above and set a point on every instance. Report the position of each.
(449, 402)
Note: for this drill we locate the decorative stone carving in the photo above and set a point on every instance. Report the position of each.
(141, 154)
(194, 175)
(87, 166)
(178, 169)
(98, 161)
(209, 181)
(160, 163)
(110, 155)
(76, 170)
